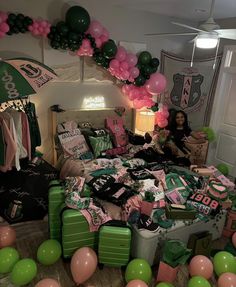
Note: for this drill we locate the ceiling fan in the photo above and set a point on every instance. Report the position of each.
(207, 34)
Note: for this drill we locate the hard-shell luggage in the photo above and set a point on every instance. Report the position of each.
(56, 198)
(76, 233)
(114, 244)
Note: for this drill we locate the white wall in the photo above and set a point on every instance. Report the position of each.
(123, 25)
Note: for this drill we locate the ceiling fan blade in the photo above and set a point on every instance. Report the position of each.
(170, 34)
(187, 26)
(227, 33)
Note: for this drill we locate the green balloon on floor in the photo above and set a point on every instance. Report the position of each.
(138, 269)
(164, 284)
(223, 168)
(198, 281)
(224, 262)
(49, 252)
(23, 272)
(8, 258)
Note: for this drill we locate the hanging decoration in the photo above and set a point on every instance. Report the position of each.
(78, 34)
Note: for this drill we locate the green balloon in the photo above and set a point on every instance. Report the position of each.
(223, 168)
(23, 272)
(198, 281)
(139, 81)
(164, 284)
(109, 49)
(224, 262)
(147, 69)
(144, 58)
(49, 252)
(62, 28)
(8, 258)
(155, 62)
(78, 19)
(138, 269)
(73, 37)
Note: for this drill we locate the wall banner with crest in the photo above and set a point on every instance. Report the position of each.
(190, 89)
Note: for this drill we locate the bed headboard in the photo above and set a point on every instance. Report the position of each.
(95, 117)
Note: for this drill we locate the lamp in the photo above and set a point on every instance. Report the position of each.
(145, 121)
(207, 40)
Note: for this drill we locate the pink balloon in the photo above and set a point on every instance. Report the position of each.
(104, 39)
(156, 84)
(114, 64)
(162, 123)
(98, 42)
(36, 24)
(136, 283)
(95, 29)
(234, 239)
(7, 236)
(131, 59)
(124, 66)
(124, 75)
(44, 24)
(227, 280)
(47, 283)
(105, 33)
(201, 266)
(134, 72)
(86, 44)
(4, 27)
(126, 89)
(3, 16)
(40, 29)
(121, 54)
(83, 264)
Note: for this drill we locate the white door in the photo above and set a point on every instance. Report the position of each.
(223, 119)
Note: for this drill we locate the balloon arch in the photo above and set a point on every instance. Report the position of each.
(84, 37)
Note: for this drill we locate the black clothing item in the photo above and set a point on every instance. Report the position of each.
(140, 174)
(179, 135)
(35, 136)
(116, 193)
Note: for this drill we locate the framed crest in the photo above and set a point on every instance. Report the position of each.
(190, 89)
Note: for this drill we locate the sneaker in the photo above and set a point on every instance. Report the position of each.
(145, 222)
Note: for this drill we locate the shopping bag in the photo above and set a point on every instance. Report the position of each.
(166, 273)
(200, 243)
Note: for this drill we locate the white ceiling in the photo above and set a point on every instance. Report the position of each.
(197, 10)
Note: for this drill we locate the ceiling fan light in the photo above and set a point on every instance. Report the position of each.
(206, 41)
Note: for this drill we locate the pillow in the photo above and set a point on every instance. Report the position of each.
(99, 132)
(68, 126)
(100, 144)
(73, 144)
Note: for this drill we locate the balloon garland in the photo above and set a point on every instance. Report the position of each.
(83, 37)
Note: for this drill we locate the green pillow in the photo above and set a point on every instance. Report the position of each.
(100, 144)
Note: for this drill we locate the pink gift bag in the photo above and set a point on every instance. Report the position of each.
(116, 126)
(146, 208)
(166, 273)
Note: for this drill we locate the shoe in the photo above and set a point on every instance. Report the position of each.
(159, 217)
(145, 222)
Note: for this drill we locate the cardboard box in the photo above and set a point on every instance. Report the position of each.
(174, 213)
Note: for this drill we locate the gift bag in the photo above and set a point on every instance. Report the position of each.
(200, 243)
(198, 152)
(166, 273)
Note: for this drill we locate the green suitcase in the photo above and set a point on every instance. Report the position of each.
(56, 198)
(114, 244)
(76, 233)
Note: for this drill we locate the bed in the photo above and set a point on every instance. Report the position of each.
(182, 229)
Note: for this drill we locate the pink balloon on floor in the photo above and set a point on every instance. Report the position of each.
(201, 266)
(83, 264)
(136, 283)
(234, 239)
(227, 280)
(7, 236)
(48, 282)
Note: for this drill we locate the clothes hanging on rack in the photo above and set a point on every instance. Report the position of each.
(19, 134)
(35, 136)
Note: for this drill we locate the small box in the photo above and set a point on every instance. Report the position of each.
(166, 273)
(175, 213)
